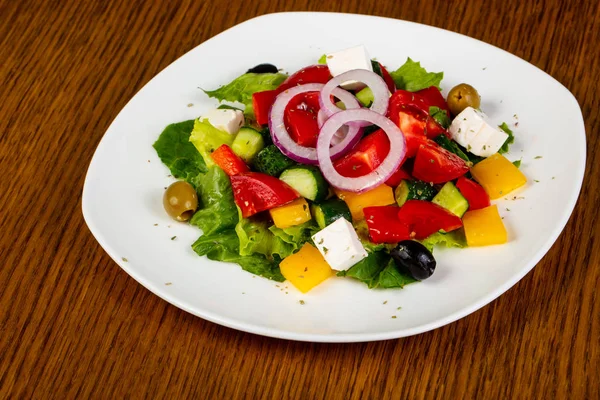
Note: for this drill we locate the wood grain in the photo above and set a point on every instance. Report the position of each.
(74, 325)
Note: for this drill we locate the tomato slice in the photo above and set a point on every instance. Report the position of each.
(389, 81)
(367, 155)
(312, 74)
(414, 132)
(300, 118)
(474, 193)
(412, 110)
(254, 192)
(384, 224)
(398, 176)
(262, 102)
(228, 161)
(433, 97)
(437, 165)
(424, 218)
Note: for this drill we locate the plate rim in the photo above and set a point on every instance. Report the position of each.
(336, 337)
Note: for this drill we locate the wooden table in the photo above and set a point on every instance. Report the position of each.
(74, 325)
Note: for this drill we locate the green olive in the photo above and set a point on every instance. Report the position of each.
(463, 96)
(180, 201)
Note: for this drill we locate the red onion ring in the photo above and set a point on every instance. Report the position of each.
(339, 135)
(381, 94)
(308, 155)
(380, 174)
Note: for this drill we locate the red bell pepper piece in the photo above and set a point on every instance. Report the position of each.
(384, 224)
(262, 102)
(473, 192)
(437, 165)
(367, 155)
(312, 74)
(397, 177)
(424, 218)
(254, 192)
(228, 161)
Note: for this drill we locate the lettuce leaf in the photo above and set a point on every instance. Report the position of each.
(412, 77)
(176, 152)
(218, 212)
(510, 140)
(206, 138)
(224, 246)
(440, 116)
(451, 239)
(242, 88)
(256, 238)
(378, 270)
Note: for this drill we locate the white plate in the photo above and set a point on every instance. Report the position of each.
(124, 184)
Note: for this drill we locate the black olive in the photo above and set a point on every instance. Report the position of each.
(264, 69)
(414, 258)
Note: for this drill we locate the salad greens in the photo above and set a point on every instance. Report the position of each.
(242, 87)
(378, 270)
(509, 141)
(217, 211)
(176, 152)
(412, 77)
(207, 139)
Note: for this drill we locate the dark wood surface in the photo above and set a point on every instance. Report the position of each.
(74, 325)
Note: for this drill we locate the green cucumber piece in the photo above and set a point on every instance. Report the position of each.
(329, 211)
(365, 96)
(413, 190)
(306, 180)
(271, 161)
(247, 144)
(450, 198)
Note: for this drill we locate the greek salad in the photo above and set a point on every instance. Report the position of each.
(343, 168)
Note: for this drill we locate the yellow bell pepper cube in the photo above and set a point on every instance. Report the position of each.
(498, 176)
(484, 227)
(306, 269)
(295, 213)
(382, 195)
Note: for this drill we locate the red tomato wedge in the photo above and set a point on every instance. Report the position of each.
(389, 81)
(424, 218)
(312, 74)
(262, 102)
(300, 118)
(254, 192)
(397, 177)
(228, 161)
(384, 224)
(414, 132)
(367, 155)
(434, 164)
(433, 97)
(473, 192)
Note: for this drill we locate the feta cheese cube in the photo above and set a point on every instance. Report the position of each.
(488, 140)
(466, 125)
(340, 245)
(349, 59)
(229, 121)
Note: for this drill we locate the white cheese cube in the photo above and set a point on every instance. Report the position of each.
(466, 125)
(340, 245)
(229, 121)
(488, 141)
(349, 59)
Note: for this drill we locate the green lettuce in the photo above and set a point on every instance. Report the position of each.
(256, 238)
(176, 152)
(242, 88)
(451, 239)
(224, 246)
(440, 116)
(378, 270)
(218, 211)
(412, 77)
(297, 235)
(510, 140)
(206, 138)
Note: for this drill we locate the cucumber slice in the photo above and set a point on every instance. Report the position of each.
(247, 144)
(413, 190)
(308, 181)
(450, 198)
(365, 96)
(271, 161)
(329, 211)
